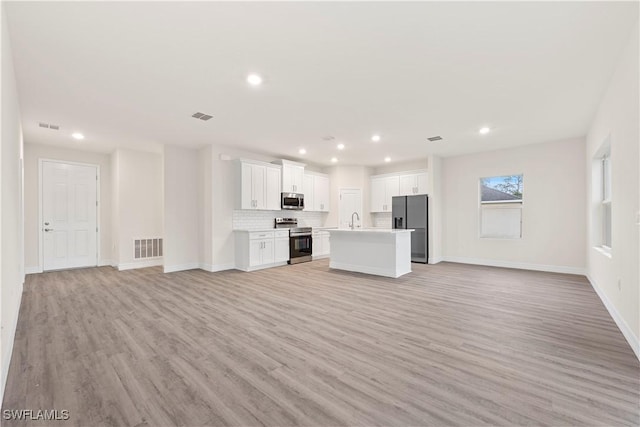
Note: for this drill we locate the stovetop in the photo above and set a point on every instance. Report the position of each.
(292, 225)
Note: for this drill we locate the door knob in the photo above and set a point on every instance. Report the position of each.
(48, 229)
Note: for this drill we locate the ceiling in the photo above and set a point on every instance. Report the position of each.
(132, 74)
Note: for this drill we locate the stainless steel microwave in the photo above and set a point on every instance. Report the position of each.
(294, 201)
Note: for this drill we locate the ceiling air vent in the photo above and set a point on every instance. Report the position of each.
(435, 138)
(202, 116)
(48, 126)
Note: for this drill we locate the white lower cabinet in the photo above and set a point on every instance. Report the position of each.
(321, 248)
(260, 252)
(261, 249)
(282, 249)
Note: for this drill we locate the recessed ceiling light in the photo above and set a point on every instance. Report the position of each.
(254, 80)
(340, 146)
(77, 135)
(302, 151)
(375, 138)
(484, 130)
(387, 159)
(334, 159)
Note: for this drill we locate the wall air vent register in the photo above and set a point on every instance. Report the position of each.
(147, 248)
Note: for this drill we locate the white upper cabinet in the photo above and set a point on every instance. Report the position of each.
(383, 188)
(321, 193)
(308, 192)
(377, 194)
(273, 188)
(259, 185)
(292, 176)
(413, 183)
(316, 192)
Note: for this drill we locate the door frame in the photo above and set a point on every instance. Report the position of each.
(340, 190)
(41, 161)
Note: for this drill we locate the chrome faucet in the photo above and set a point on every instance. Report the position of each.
(352, 225)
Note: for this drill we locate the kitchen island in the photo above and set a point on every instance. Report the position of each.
(382, 252)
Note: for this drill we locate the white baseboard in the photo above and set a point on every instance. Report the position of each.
(140, 264)
(212, 268)
(32, 270)
(103, 262)
(435, 260)
(518, 265)
(13, 325)
(181, 267)
(622, 325)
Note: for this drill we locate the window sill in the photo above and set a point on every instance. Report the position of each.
(603, 251)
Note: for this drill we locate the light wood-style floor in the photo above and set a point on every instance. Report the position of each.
(448, 344)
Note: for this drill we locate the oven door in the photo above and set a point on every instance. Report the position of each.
(300, 248)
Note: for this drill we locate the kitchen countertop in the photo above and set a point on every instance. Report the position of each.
(258, 230)
(372, 230)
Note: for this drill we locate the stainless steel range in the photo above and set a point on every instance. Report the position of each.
(300, 240)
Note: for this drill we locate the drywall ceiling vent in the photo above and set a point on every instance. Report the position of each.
(48, 126)
(328, 138)
(147, 248)
(435, 138)
(202, 116)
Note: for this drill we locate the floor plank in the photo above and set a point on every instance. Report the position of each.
(448, 344)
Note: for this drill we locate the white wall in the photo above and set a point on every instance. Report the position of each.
(138, 190)
(553, 214)
(11, 205)
(34, 152)
(436, 206)
(182, 209)
(617, 117)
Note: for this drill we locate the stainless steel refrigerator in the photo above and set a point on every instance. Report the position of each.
(413, 212)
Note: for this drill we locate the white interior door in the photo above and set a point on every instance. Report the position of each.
(350, 202)
(69, 215)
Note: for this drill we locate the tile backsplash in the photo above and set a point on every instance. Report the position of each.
(381, 219)
(254, 220)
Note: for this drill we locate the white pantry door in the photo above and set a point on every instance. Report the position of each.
(69, 215)
(350, 202)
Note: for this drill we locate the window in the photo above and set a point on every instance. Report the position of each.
(501, 207)
(605, 202)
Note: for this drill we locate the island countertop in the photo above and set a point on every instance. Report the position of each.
(370, 230)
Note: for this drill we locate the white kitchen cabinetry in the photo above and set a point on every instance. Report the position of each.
(383, 188)
(292, 176)
(321, 245)
(273, 188)
(255, 250)
(309, 202)
(258, 185)
(316, 192)
(414, 183)
(281, 243)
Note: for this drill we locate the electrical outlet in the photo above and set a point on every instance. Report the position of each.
(619, 284)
